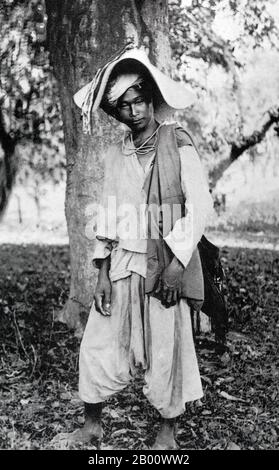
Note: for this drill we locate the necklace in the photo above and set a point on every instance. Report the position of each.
(143, 149)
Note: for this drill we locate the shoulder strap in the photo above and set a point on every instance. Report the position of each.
(182, 136)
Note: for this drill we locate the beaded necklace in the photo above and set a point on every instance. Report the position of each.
(143, 149)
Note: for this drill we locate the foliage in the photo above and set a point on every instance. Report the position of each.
(193, 33)
(226, 66)
(39, 366)
(29, 104)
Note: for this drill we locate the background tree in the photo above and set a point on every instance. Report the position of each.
(31, 138)
(30, 123)
(194, 39)
(82, 35)
(227, 120)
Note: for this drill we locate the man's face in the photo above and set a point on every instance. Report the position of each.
(134, 111)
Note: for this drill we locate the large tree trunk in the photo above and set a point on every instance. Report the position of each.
(82, 35)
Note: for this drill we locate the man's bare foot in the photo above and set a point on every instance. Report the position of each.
(86, 435)
(90, 433)
(165, 437)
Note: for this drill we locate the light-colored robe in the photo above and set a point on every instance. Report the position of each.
(140, 331)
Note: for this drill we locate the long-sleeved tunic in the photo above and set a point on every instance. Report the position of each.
(140, 331)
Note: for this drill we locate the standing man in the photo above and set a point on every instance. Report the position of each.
(149, 268)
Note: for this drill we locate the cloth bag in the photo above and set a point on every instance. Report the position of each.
(203, 278)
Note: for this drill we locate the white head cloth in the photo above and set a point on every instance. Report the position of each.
(120, 85)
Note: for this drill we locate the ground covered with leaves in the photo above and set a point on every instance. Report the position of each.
(39, 361)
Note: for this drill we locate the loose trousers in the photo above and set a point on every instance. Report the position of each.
(140, 332)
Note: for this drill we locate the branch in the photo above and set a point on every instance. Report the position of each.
(225, 50)
(270, 117)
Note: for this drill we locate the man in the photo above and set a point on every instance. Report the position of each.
(149, 270)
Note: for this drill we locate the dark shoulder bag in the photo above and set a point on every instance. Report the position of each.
(214, 305)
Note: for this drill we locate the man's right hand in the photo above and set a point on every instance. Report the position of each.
(102, 296)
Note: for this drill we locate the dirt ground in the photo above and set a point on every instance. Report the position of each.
(39, 361)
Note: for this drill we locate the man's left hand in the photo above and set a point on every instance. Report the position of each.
(169, 285)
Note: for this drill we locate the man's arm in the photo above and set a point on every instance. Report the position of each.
(102, 296)
(187, 231)
(105, 234)
(101, 260)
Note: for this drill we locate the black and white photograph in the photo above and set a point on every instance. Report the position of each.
(139, 228)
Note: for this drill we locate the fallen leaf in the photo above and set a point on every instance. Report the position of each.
(55, 404)
(114, 414)
(206, 412)
(66, 396)
(206, 379)
(225, 358)
(231, 397)
(119, 432)
(24, 401)
(233, 446)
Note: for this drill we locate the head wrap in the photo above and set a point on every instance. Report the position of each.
(120, 85)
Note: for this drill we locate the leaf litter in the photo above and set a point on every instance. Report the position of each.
(39, 374)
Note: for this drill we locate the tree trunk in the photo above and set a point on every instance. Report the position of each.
(82, 35)
(8, 165)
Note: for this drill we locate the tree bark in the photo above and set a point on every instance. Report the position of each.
(8, 165)
(82, 35)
